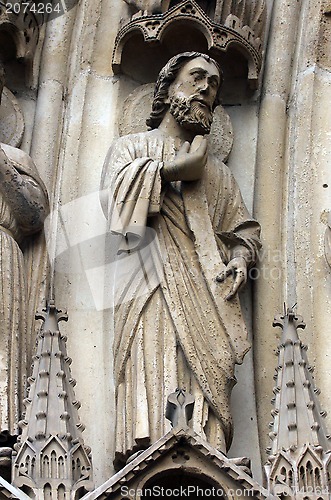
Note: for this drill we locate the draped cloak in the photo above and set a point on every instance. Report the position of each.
(14, 367)
(173, 327)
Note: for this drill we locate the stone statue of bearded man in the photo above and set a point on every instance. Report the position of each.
(180, 217)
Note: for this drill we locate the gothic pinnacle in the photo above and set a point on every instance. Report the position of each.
(298, 426)
(51, 427)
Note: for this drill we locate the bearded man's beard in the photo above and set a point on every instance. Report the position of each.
(191, 114)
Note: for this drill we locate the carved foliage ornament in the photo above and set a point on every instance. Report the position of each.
(22, 26)
(250, 13)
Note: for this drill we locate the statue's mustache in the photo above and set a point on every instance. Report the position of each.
(187, 101)
(197, 98)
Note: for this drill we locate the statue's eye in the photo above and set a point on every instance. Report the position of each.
(197, 76)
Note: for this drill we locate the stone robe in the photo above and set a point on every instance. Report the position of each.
(173, 327)
(14, 368)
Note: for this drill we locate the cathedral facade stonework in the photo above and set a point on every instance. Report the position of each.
(131, 188)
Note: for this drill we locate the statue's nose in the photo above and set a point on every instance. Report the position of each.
(204, 87)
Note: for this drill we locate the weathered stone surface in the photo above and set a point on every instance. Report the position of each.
(11, 120)
(50, 456)
(300, 445)
(280, 158)
(159, 333)
(24, 206)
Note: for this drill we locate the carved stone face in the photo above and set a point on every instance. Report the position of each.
(197, 78)
(193, 93)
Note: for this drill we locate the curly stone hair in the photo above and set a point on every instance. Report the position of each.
(168, 75)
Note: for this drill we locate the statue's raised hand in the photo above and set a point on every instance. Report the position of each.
(189, 163)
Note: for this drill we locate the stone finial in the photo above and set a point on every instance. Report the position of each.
(299, 453)
(50, 456)
(290, 323)
(179, 408)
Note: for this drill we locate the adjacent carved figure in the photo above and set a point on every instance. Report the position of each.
(178, 211)
(23, 207)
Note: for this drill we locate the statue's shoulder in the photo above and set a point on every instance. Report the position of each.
(219, 166)
(138, 137)
(220, 176)
(137, 144)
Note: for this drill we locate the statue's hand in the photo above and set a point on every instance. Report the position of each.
(189, 163)
(237, 267)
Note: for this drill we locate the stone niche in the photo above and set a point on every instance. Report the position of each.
(148, 41)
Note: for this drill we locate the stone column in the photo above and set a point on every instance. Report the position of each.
(291, 193)
(78, 109)
(270, 196)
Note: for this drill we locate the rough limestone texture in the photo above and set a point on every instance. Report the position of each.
(280, 158)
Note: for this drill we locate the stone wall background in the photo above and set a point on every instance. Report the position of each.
(292, 189)
(280, 159)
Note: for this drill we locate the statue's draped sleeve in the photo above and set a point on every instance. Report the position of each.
(132, 185)
(133, 192)
(237, 233)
